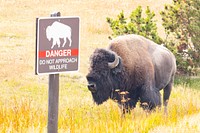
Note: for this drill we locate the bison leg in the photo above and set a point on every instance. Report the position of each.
(70, 41)
(150, 99)
(127, 106)
(56, 41)
(166, 95)
(65, 40)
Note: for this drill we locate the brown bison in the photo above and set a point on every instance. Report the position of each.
(134, 64)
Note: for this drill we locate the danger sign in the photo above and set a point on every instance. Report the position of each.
(57, 44)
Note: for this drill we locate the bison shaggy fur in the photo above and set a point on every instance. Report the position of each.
(134, 64)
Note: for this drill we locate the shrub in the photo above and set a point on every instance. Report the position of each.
(181, 21)
(135, 24)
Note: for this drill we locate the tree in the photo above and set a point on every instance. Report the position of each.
(181, 21)
(135, 24)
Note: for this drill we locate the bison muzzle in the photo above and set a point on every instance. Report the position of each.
(133, 64)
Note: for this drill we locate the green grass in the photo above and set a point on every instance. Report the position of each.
(190, 82)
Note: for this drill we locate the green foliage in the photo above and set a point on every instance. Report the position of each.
(191, 82)
(135, 24)
(181, 21)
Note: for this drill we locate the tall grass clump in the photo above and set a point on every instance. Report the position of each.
(21, 115)
(78, 113)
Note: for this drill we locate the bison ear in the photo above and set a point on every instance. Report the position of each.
(118, 68)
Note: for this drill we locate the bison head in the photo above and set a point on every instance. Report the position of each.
(102, 80)
(48, 34)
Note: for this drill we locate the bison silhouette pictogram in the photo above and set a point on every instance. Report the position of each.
(58, 31)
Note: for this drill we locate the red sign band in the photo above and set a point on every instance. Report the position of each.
(58, 53)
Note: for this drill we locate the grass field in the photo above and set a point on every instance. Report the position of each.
(23, 97)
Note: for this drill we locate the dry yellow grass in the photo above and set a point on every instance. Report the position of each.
(25, 110)
(23, 98)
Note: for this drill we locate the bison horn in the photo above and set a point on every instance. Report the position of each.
(114, 63)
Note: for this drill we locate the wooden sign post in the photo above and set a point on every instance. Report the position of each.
(53, 99)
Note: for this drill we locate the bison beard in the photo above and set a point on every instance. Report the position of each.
(100, 76)
(134, 64)
(103, 95)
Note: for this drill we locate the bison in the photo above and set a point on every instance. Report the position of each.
(56, 31)
(134, 64)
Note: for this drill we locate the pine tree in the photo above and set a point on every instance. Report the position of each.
(181, 21)
(135, 24)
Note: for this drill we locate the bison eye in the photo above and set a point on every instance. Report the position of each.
(91, 79)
